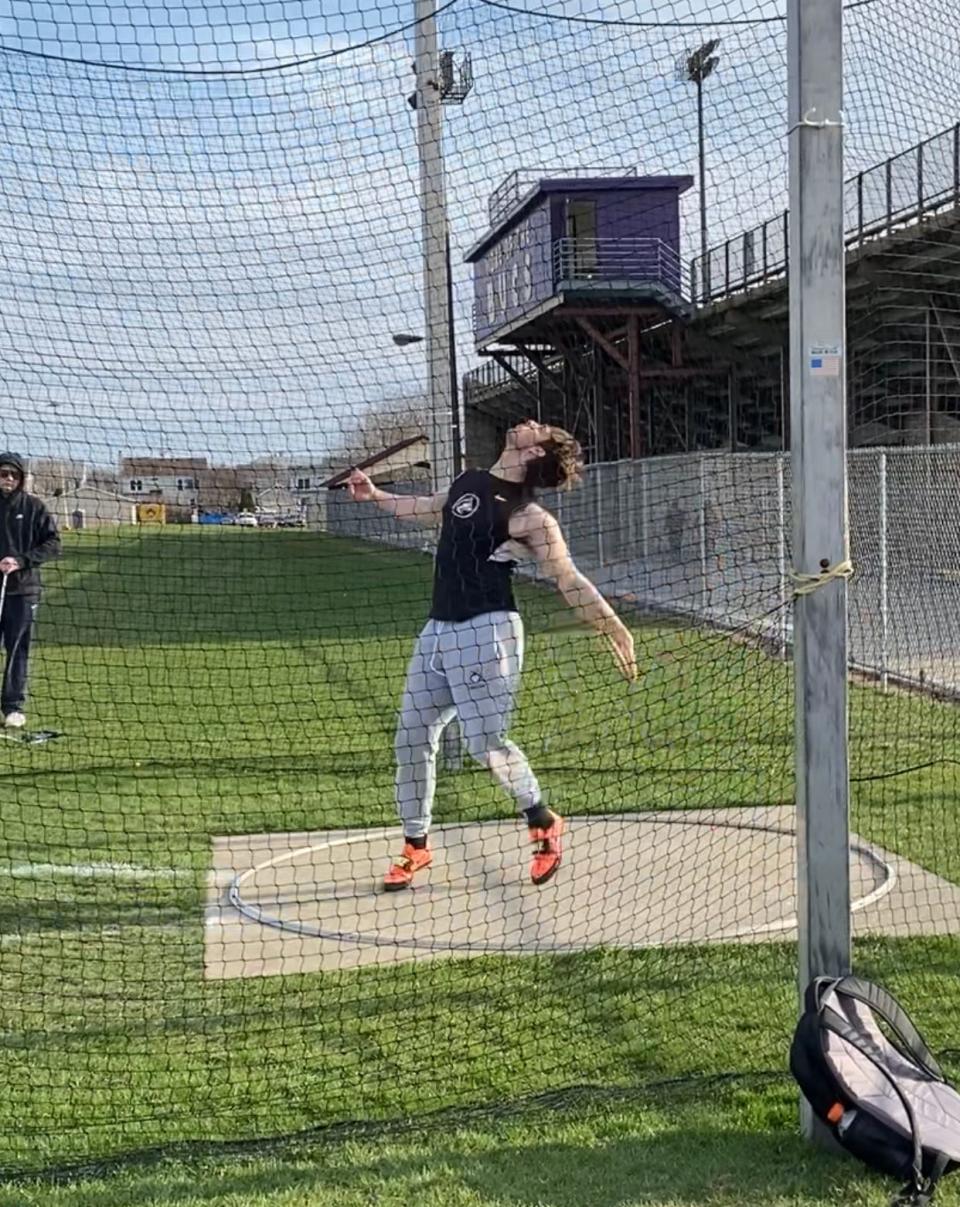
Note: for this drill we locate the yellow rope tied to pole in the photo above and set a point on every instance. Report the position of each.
(806, 584)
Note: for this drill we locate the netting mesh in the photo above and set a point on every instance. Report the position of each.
(211, 236)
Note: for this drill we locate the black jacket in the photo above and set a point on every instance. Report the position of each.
(27, 532)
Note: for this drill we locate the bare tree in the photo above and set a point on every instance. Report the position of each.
(51, 477)
(367, 433)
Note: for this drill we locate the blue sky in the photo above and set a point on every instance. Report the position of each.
(195, 262)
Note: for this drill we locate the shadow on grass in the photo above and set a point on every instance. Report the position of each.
(586, 1147)
(34, 919)
(189, 586)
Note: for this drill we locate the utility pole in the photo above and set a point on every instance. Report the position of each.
(437, 287)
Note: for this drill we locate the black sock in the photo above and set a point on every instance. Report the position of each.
(538, 817)
(418, 844)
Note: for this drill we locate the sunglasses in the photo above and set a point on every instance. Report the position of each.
(13, 474)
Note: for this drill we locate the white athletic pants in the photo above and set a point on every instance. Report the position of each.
(470, 670)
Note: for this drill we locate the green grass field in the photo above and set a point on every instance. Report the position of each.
(232, 681)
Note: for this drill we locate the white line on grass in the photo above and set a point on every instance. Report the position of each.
(100, 932)
(93, 871)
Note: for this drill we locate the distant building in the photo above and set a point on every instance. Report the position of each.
(175, 481)
(78, 495)
(88, 506)
(187, 485)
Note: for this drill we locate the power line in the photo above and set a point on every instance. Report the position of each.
(222, 72)
(705, 23)
(290, 64)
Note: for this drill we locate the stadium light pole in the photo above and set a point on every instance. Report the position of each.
(695, 66)
(405, 339)
(427, 102)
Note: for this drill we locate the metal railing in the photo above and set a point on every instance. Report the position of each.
(519, 183)
(597, 261)
(603, 262)
(903, 189)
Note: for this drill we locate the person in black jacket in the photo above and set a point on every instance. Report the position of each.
(28, 538)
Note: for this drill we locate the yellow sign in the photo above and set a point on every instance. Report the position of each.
(151, 513)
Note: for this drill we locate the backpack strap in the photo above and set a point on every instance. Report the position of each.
(893, 1015)
(832, 1021)
(913, 1195)
(816, 990)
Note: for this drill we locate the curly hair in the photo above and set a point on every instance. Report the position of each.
(561, 466)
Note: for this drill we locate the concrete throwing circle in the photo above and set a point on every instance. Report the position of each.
(629, 880)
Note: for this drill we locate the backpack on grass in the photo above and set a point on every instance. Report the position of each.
(880, 1092)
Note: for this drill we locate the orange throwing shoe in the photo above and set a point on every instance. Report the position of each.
(402, 871)
(547, 849)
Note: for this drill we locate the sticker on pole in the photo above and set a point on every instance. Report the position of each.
(825, 360)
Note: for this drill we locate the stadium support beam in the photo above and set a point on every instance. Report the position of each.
(436, 266)
(818, 428)
(599, 338)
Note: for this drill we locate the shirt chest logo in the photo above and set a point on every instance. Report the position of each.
(465, 506)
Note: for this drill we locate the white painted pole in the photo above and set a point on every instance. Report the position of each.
(927, 392)
(703, 534)
(818, 463)
(627, 495)
(884, 613)
(782, 556)
(600, 469)
(433, 206)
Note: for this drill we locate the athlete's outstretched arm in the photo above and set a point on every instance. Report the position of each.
(541, 534)
(424, 509)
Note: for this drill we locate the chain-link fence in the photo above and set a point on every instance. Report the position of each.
(708, 536)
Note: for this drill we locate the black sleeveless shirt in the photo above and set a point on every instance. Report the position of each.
(476, 519)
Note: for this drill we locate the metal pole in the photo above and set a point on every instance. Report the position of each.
(703, 532)
(433, 207)
(452, 739)
(704, 270)
(818, 462)
(599, 470)
(782, 555)
(633, 383)
(884, 662)
(928, 421)
(456, 417)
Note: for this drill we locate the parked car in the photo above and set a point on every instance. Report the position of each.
(246, 519)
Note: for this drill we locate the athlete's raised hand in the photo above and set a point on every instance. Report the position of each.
(620, 640)
(359, 487)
